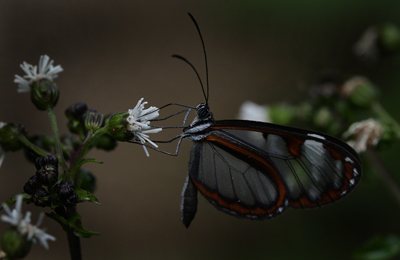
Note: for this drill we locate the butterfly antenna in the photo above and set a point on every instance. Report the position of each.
(191, 65)
(205, 55)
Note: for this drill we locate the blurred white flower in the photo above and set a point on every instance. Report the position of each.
(23, 224)
(367, 46)
(46, 71)
(365, 134)
(252, 111)
(139, 123)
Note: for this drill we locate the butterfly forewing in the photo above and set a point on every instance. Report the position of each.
(255, 170)
(233, 185)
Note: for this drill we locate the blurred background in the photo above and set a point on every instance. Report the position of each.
(115, 52)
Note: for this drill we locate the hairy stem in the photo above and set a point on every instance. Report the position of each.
(57, 141)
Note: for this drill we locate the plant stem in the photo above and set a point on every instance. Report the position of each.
(74, 243)
(57, 141)
(389, 180)
(84, 149)
(33, 147)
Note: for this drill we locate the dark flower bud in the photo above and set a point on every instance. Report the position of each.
(66, 193)
(41, 198)
(47, 169)
(76, 111)
(71, 200)
(44, 94)
(9, 136)
(32, 185)
(64, 189)
(46, 160)
(75, 114)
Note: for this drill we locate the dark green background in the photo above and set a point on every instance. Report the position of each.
(115, 52)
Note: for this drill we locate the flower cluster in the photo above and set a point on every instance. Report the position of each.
(46, 71)
(23, 224)
(139, 123)
(366, 134)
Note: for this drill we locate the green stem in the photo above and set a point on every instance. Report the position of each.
(386, 118)
(33, 147)
(57, 140)
(85, 148)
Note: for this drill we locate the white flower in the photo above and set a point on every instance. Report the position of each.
(367, 46)
(2, 151)
(366, 134)
(24, 226)
(252, 111)
(46, 71)
(139, 123)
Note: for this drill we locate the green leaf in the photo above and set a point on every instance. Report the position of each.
(379, 248)
(87, 160)
(74, 225)
(13, 199)
(85, 196)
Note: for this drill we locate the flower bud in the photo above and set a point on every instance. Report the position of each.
(9, 136)
(282, 114)
(44, 94)
(47, 169)
(41, 198)
(46, 160)
(32, 185)
(93, 121)
(389, 38)
(305, 111)
(76, 111)
(66, 193)
(14, 244)
(118, 127)
(323, 117)
(360, 92)
(75, 114)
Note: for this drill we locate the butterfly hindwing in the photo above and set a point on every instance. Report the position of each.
(256, 170)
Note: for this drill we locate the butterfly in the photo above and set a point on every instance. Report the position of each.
(256, 170)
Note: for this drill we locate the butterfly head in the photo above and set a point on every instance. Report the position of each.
(203, 112)
(204, 115)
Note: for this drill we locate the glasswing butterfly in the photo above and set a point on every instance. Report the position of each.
(255, 170)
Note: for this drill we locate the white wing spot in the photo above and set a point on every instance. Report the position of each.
(317, 136)
(347, 159)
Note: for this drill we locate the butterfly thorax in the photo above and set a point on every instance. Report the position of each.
(201, 125)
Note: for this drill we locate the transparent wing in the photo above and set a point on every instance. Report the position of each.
(257, 172)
